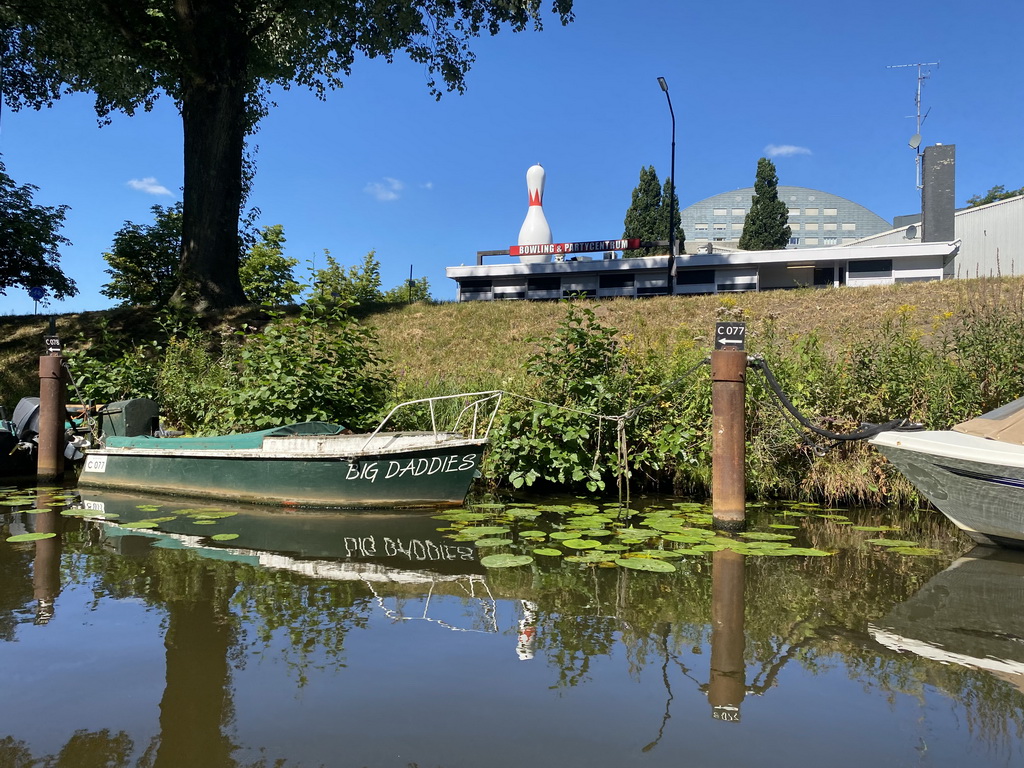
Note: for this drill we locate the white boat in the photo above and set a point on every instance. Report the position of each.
(973, 473)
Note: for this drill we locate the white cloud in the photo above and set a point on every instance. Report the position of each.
(149, 185)
(427, 185)
(785, 150)
(386, 190)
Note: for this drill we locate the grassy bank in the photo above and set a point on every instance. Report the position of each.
(936, 353)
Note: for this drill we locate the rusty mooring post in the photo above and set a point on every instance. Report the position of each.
(50, 459)
(728, 426)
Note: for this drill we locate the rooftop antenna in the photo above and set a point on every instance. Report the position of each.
(915, 140)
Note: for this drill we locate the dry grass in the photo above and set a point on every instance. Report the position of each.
(465, 341)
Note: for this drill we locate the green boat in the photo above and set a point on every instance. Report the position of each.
(313, 464)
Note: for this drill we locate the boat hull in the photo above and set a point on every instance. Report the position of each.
(977, 483)
(432, 476)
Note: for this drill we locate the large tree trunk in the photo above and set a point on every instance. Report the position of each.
(213, 113)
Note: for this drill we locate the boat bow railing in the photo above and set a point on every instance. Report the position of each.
(473, 420)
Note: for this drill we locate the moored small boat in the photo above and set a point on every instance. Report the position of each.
(973, 473)
(313, 464)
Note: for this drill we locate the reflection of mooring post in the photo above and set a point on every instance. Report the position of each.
(50, 460)
(46, 565)
(727, 682)
(728, 450)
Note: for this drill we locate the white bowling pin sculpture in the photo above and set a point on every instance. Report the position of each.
(535, 229)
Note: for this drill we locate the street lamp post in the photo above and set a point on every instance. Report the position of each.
(672, 202)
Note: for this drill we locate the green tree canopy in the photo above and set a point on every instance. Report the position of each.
(998, 192)
(265, 272)
(144, 262)
(647, 215)
(408, 292)
(766, 227)
(218, 61)
(30, 241)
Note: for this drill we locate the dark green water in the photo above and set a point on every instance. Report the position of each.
(374, 640)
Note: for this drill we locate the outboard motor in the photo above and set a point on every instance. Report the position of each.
(26, 419)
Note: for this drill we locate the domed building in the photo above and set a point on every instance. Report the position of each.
(816, 219)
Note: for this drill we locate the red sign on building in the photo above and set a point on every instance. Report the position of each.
(588, 246)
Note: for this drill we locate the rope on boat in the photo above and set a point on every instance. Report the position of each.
(866, 431)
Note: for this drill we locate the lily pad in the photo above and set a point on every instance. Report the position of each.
(30, 536)
(808, 552)
(581, 543)
(204, 521)
(892, 542)
(532, 534)
(485, 530)
(645, 564)
(492, 542)
(548, 552)
(782, 525)
(141, 524)
(874, 528)
(764, 536)
(224, 536)
(917, 551)
(505, 561)
(522, 514)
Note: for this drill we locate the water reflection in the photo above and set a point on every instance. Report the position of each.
(971, 614)
(374, 636)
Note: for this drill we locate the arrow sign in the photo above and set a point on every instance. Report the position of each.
(52, 344)
(731, 336)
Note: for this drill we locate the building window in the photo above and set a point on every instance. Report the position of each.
(615, 281)
(849, 226)
(794, 226)
(810, 212)
(794, 211)
(829, 240)
(794, 241)
(739, 211)
(831, 211)
(810, 241)
(873, 265)
(737, 225)
(719, 226)
(701, 227)
(544, 284)
(811, 226)
(475, 286)
(849, 239)
(695, 277)
(830, 226)
(721, 211)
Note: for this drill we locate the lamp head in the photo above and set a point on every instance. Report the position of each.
(663, 84)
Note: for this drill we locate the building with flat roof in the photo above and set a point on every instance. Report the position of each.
(816, 219)
(714, 272)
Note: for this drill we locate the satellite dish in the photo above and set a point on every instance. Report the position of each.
(915, 141)
(911, 232)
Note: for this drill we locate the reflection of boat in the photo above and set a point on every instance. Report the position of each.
(971, 614)
(311, 464)
(389, 546)
(974, 473)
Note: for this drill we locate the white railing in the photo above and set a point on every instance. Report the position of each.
(473, 421)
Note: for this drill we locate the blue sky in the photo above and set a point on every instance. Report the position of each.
(381, 165)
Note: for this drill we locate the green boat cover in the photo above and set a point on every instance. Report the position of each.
(224, 442)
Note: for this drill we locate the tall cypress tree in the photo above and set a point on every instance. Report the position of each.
(647, 215)
(765, 227)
